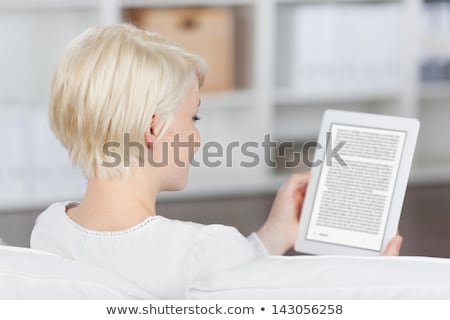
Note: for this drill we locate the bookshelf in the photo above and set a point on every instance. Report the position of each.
(266, 101)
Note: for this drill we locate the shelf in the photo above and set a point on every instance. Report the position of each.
(228, 99)
(430, 174)
(333, 1)
(183, 3)
(200, 186)
(438, 44)
(33, 202)
(49, 4)
(52, 4)
(290, 96)
(220, 188)
(435, 91)
(262, 100)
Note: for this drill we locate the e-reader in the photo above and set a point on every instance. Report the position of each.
(359, 176)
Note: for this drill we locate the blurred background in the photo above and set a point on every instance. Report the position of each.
(274, 67)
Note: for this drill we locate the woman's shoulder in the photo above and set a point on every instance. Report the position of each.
(52, 214)
(55, 217)
(54, 225)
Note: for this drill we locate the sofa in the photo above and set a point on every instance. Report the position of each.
(32, 274)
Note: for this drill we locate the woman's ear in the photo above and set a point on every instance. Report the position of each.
(149, 135)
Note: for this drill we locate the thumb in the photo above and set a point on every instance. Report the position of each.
(393, 247)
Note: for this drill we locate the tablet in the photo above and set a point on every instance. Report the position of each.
(359, 176)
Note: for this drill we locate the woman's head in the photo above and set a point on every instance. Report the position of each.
(116, 80)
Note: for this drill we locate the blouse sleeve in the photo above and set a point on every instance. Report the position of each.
(257, 244)
(217, 247)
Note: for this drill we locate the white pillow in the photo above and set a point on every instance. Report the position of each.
(31, 274)
(330, 277)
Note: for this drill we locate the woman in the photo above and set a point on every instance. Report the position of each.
(118, 84)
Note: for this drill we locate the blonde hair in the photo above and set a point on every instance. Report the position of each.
(110, 81)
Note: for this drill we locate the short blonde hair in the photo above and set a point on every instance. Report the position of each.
(110, 81)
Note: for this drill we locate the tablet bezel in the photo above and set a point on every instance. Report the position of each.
(411, 127)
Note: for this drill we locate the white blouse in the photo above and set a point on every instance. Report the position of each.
(160, 255)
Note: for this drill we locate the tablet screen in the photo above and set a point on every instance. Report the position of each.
(354, 192)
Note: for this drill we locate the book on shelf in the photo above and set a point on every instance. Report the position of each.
(207, 31)
(347, 49)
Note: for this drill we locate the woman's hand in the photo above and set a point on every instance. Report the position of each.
(393, 247)
(279, 232)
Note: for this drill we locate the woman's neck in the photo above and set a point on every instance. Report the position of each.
(115, 204)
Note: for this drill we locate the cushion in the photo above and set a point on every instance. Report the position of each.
(31, 274)
(330, 277)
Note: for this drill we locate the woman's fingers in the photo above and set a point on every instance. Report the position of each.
(298, 180)
(393, 247)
